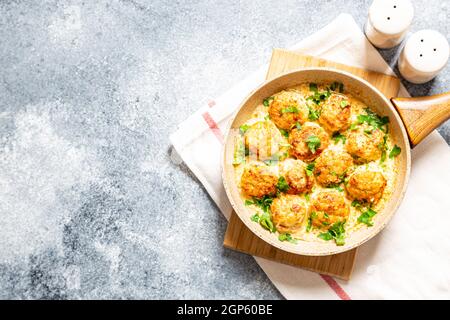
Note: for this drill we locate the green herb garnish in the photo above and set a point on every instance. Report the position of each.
(318, 97)
(289, 109)
(248, 202)
(373, 120)
(285, 133)
(310, 169)
(255, 217)
(356, 204)
(366, 217)
(243, 129)
(353, 127)
(313, 114)
(298, 126)
(344, 103)
(337, 86)
(313, 87)
(282, 185)
(264, 219)
(266, 102)
(266, 222)
(337, 136)
(313, 143)
(336, 232)
(287, 237)
(395, 152)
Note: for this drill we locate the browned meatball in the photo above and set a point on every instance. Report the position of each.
(297, 179)
(287, 108)
(308, 142)
(258, 181)
(332, 166)
(288, 213)
(335, 114)
(327, 208)
(263, 139)
(365, 145)
(366, 185)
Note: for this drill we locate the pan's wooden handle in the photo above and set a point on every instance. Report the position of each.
(423, 114)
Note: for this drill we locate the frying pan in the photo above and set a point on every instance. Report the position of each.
(411, 120)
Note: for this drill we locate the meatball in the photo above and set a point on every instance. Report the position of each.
(308, 142)
(327, 208)
(258, 181)
(288, 213)
(366, 185)
(335, 114)
(332, 166)
(365, 144)
(263, 139)
(287, 108)
(297, 179)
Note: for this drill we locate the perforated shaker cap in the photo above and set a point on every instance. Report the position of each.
(391, 17)
(427, 51)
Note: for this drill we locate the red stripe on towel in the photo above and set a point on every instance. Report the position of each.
(336, 287)
(213, 126)
(211, 103)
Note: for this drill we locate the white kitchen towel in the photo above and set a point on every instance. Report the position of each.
(410, 258)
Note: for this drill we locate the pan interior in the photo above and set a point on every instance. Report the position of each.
(366, 93)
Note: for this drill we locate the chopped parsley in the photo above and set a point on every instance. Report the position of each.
(366, 217)
(282, 185)
(289, 109)
(318, 96)
(313, 143)
(285, 133)
(310, 169)
(312, 216)
(344, 103)
(373, 120)
(356, 204)
(264, 202)
(383, 147)
(353, 127)
(266, 222)
(336, 187)
(313, 114)
(336, 232)
(264, 219)
(298, 126)
(337, 86)
(395, 152)
(307, 197)
(266, 102)
(337, 136)
(286, 237)
(243, 129)
(313, 87)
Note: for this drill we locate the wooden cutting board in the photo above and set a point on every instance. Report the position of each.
(238, 237)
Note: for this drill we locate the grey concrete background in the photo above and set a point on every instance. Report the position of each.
(93, 204)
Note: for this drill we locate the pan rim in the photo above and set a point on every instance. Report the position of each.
(292, 248)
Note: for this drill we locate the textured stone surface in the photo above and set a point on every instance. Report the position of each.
(93, 203)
